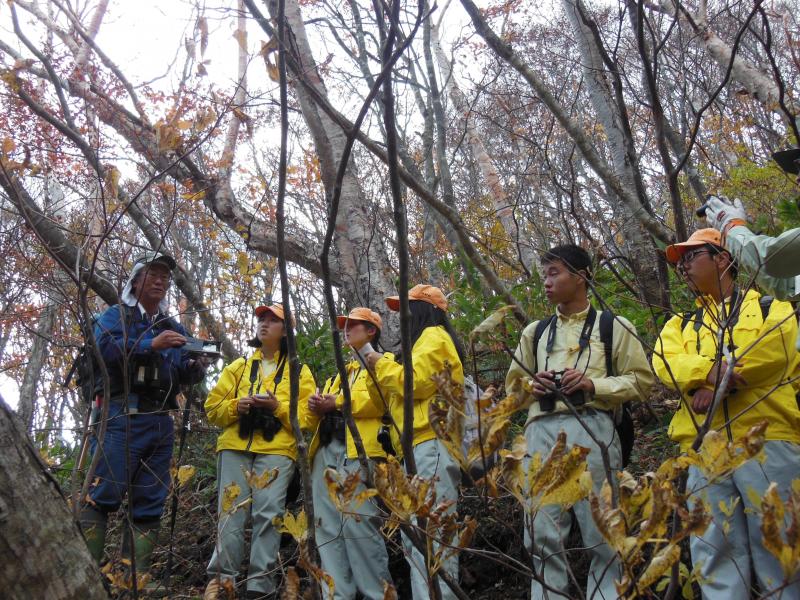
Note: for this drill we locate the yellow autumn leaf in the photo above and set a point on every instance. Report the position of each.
(194, 195)
(185, 473)
(8, 146)
(773, 516)
(343, 491)
(509, 405)
(365, 495)
(229, 496)
(402, 494)
(717, 457)
(659, 564)
(491, 322)
(205, 117)
(663, 501)
(486, 400)
(563, 479)
(512, 467)
(389, 591)
(296, 526)
(167, 137)
(242, 262)
(467, 532)
(259, 482)
(492, 440)
(611, 524)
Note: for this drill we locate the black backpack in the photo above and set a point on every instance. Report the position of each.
(85, 370)
(623, 419)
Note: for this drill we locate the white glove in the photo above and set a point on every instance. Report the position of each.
(720, 211)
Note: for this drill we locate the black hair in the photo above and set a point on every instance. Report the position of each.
(575, 258)
(734, 266)
(376, 339)
(424, 315)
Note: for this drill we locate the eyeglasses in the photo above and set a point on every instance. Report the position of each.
(156, 275)
(691, 255)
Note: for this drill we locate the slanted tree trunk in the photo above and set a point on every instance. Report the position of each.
(497, 193)
(361, 254)
(36, 359)
(44, 554)
(638, 247)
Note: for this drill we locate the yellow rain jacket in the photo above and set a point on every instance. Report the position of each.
(234, 383)
(432, 349)
(765, 350)
(366, 413)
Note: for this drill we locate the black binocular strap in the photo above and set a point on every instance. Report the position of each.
(278, 374)
(583, 340)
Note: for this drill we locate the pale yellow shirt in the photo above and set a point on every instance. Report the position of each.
(632, 378)
(267, 367)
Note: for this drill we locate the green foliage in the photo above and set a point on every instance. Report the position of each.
(315, 347)
(789, 212)
(766, 191)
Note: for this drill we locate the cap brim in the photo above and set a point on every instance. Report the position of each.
(393, 302)
(168, 261)
(260, 310)
(675, 251)
(165, 260)
(787, 160)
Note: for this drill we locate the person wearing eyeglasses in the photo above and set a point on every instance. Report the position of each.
(732, 361)
(141, 346)
(773, 261)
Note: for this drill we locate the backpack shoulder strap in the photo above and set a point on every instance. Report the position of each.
(765, 302)
(541, 327)
(695, 316)
(607, 337)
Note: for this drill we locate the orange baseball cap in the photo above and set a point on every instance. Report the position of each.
(426, 293)
(360, 314)
(275, 309)
(701, 237)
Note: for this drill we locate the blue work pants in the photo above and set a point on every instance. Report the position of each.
(150, 438)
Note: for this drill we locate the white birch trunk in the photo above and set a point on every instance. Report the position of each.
(497, 193)
(638, 247)
(362, 258)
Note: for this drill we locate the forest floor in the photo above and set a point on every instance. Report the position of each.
(487, 570)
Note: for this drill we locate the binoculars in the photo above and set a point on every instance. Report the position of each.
(547, 403)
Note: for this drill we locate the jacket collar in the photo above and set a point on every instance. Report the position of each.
(578, 316)
(259, 355)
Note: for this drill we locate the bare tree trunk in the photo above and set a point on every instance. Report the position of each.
(36, 360)
(44, 554)
(639, 248)
(440, 147)
(497, 192)
(361, 254)
(758, 84)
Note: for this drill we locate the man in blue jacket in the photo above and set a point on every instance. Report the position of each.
(142, 350)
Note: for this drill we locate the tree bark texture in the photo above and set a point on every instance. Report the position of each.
(36, 359)
(362, 257)
(639, 249)
(44, 554)
(497, 193)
